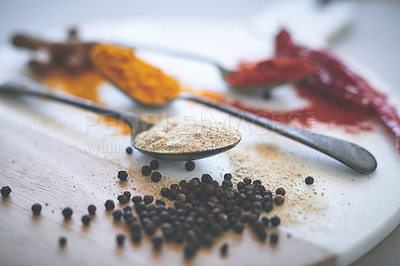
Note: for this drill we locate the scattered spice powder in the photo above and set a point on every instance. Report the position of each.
(274, 169)
(269, 73)
(138, 79)
(334, 80)
(177, 136)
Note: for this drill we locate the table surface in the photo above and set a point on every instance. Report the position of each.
(380, 55)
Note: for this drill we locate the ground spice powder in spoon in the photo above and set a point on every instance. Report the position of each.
(177, 135)
(138, 79)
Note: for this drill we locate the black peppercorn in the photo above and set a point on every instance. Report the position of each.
(146, 170)
(244, 218)
(150, 207)
(190, 249)
(122, 199)
(136, 236)
(228, 176)
(140, 206)
(168, 230)
(224, 249)
(257, 183)
(129, 150)
(268, 206)
(206, 178)
(265, 220)
(275, 221)
(279, 199)
(238, 227)
(241, 186)
(215, 183)
(86, 219)
(165, 192)
(150, 228)
(160, 202)
(127, 209)
(207, 240)
(156, 176)
(175, 188)
(227, 183)
(92, 209)
(134, 226)
(67, 213)
(120, 240)
(136, 199)
(183, 183)
(122, 175)
(247, 180)
(253, 218)
(262, 234)
(148, 199)
(157, 242)
(109, 204)
(5, 191)
(154, 164)
(127, 194)
(189, 166)
(280, 191)
(117, 214)
(62, 241)
(36, 208)
(309, 180)
(266, 193)
(273, 238)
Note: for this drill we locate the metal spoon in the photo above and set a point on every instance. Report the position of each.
(350, 154)
(25, 86)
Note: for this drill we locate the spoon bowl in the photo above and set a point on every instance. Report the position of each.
(28, 87)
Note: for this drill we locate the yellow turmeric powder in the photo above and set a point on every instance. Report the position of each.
(138, 79)
(83, 84)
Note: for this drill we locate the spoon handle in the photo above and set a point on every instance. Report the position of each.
(177, 53)
(350, 154)
(25, 86)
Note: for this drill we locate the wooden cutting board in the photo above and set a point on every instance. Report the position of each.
(41, 169)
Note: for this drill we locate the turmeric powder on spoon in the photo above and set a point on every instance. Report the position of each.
(136, 78)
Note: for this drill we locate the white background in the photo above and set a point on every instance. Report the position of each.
(373, 40)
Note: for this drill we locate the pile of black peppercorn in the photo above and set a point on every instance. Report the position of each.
(202, 210)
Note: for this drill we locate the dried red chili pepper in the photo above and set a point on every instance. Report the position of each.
(270, 72)
(333, 78)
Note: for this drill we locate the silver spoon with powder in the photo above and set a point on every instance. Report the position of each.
(169, 139)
